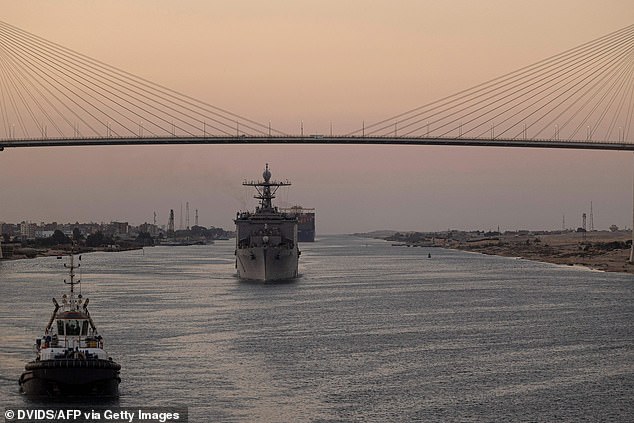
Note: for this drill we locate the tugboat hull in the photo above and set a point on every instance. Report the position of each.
(66, 378)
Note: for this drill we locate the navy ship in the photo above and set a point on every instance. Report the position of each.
(266, 240)
(71, 360)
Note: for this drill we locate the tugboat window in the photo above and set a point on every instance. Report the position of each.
(60, 327)
(72, 327)
(84, 328)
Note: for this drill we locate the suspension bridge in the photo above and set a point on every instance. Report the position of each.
(581, 98)
(52, 96)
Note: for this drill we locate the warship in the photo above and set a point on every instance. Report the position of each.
(71, 360)
(266, 240)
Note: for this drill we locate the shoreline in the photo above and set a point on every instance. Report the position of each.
(603, 251)
(28, 253)
(607, 251)
(596, 263)
(598, 250)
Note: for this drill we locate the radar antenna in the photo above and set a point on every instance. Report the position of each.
(266, 189)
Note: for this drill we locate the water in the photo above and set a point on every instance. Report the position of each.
(370, 332)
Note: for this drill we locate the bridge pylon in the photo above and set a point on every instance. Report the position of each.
(632, 248)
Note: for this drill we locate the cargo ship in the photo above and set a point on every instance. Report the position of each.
(266, 240)
(305, 222)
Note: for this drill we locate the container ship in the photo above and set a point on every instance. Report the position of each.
(305, 222)
(266, 240)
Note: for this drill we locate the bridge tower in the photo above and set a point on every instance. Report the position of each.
(632, 250)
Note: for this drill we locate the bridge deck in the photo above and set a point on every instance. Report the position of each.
(317, 139)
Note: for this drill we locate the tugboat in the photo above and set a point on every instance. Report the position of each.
(266, 240)
(70, 358)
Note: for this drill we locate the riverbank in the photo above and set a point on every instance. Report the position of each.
(600, 250)
(30, 252)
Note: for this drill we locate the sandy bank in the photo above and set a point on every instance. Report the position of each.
(601, 250)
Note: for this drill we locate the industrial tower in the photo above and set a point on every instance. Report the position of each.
(170, 222)
(187, 215)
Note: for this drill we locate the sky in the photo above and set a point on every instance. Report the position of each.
(318, 62)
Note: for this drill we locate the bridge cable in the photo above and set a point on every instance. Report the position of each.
(511, 86)
(13, 104)
(515, 74)
(621, 105)
(147, 85)
(10, 69)
(110, 89)
(603, 75)
(67, 49)
(479, 105)
(21, 78)
(71, 99)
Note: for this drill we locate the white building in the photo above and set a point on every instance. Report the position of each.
(27, 230)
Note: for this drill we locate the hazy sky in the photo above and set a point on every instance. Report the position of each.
(319, 62)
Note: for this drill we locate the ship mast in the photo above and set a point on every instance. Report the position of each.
(266, 189)
(72, 301)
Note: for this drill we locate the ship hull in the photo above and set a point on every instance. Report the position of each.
(305, 235)
(267, 264)
(71, 378)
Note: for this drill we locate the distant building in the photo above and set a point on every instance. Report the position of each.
(48, 226)
(149, 228)
(27, 230)
(9, 229)
(43, 234)
(89, 228)
(120, 228)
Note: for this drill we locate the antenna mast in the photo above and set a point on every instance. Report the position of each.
(266, 189)
(71, 273)
(591, 218)
(187, 214)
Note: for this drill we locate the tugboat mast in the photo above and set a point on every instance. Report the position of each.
(71, 273)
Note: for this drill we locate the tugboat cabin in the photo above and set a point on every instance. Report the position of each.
(72, 323)
(71, 336)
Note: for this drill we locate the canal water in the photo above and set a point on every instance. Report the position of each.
(370, 332)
